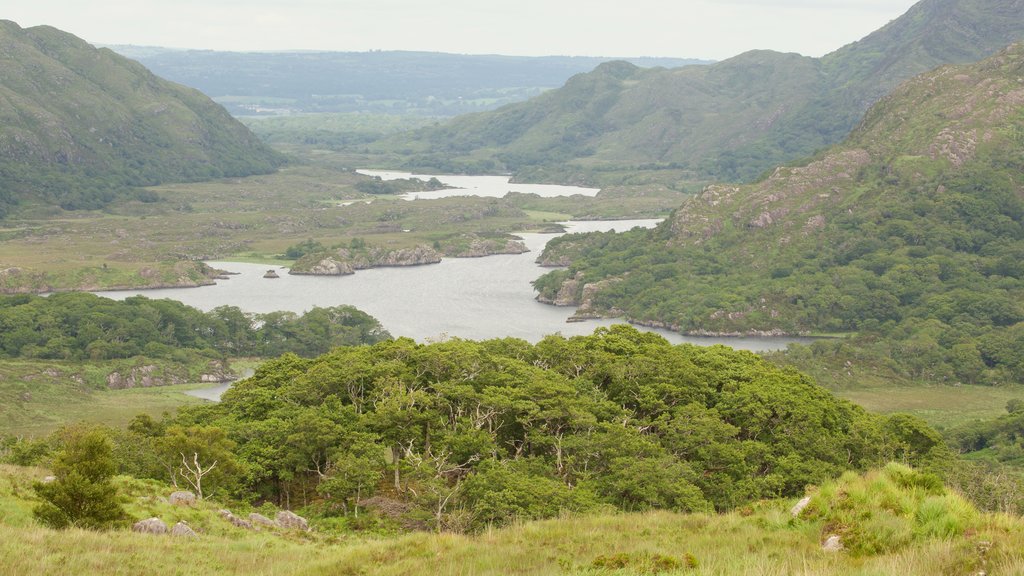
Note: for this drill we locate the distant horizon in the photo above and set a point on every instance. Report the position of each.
(685, 29)
(377, 50)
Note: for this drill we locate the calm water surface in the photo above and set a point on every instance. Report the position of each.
(489, 186)
(473, 298)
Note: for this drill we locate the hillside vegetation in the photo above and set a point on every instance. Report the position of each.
(927, 532)
(911, 234)
(728, 121)
(461, 435)
(80, 126)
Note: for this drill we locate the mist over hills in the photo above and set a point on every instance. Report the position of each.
(392, 82)
(728, 121)
(81, 125)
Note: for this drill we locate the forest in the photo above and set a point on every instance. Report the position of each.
(83, 326)
(461, 435)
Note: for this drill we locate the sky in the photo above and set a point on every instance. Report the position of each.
(710, 29)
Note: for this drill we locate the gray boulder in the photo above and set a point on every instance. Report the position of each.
(183, 529)
(261, 520)
(799, 507)
(182, 498)
(291, 520)
(150, 526)
(235, 520)
(832, 544)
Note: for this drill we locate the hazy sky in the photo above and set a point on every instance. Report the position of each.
(715, 29)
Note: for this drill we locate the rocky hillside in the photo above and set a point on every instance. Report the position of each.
(80, 125)
(729, 121)
(912, 229)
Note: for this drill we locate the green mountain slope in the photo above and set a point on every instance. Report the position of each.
(78, 125)
(728, 121)
(911, 231)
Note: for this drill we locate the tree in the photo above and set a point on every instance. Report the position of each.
(196, 453)
(82, 495)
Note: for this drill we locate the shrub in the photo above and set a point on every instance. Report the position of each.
(82, 495)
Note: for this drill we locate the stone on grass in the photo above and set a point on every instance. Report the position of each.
(150, 526)
(183, 529)
(260, 519)
(182, 498)
(235, 520)
(832, 544)
(289, 519)
(799, 507)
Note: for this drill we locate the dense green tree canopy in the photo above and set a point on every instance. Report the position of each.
(86, 326)
(470, 433)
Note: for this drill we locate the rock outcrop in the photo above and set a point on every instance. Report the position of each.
(182, 498)
(235, 520)
(347, 261)
(217, 371)
(183, 530)
(799, 506)
(261, 520)
(150, 526)
(567, 292)
(832, 544)
(474, 246)
(145, 376)
(292, 521)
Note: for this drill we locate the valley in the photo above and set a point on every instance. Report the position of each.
(410, 312)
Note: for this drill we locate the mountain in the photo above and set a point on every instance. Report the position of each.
(79, 125)
(385, 82)
(728, 121)
(911, 231)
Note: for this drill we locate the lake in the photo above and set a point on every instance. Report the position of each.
(489, 186)
(473, 298)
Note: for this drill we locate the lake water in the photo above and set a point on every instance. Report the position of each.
(473, 298)
(489, 186)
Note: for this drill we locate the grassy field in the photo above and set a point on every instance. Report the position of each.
(763, 540)
(257, 218)
(37, 397)
(940, 406)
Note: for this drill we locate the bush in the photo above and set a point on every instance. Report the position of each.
(82, 495)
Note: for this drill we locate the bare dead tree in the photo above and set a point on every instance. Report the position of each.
(195, 472)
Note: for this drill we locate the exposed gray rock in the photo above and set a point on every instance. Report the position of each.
(329, 267)
(182, 498)
(183, 529)
(235, 520)
(240, 522)
(799, 507)
(347, 261)
(49, 479)
(478, 247)
(566, 292)
(832, 544)
(261, 520)
(271, 274)
(145, 376)
(150, 526)
(217, 371)
(289, 519)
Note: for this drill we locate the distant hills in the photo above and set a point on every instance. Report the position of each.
(379, 82)
(728, 121)
(79, 125)
(911, 233)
